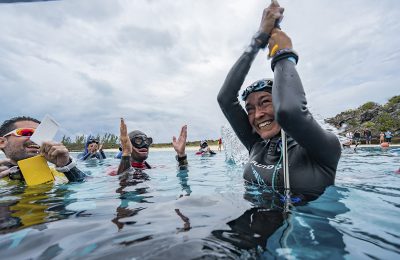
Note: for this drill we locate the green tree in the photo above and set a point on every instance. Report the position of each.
(368, 105)
(386, 122)
(369, 124)
(393, 101)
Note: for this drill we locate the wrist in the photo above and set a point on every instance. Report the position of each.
(65, 163)
(180, 158)
(66, 168)
(284, 54)
(261, 39)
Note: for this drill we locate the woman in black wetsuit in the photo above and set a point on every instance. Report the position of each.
(274, 104)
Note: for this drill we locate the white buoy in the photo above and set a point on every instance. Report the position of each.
(285, 169)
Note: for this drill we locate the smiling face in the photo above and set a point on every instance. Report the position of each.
(139, 154)
(19, 147)
(261, 114)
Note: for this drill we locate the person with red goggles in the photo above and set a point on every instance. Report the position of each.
(15, 142)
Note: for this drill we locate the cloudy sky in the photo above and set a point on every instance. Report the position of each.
(160, 64)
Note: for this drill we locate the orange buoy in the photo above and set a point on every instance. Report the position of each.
(385, 144)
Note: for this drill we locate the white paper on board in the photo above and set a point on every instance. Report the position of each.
(46, 131)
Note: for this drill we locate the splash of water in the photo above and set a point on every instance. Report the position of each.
(331, 128)
(235, 152)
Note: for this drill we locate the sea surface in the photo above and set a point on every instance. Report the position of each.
(206, 212)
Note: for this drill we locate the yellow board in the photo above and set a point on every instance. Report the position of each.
(35, 170)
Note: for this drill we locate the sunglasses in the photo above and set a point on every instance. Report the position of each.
(141, 141)
(26, 132)
(256, 86)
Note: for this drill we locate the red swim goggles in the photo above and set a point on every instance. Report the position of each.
(26, 132)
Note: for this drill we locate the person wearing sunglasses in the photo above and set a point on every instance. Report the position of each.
(92, 150)
(135, 149)
(15, 142)
(275, 104)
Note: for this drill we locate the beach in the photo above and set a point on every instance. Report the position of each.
(170, 149)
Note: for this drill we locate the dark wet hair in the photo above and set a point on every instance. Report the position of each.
(9, 125)
(259, 85)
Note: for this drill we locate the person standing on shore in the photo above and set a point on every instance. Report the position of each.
(381, 138)
(388, 136)
(349, 136)
(368, 136)
(357, 137)
(220, 144)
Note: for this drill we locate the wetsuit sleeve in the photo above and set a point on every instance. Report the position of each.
(102, 154)
(182, 163)
(293, 116)
(124, 164)
(75, 175)
(85, 156)
(229, 102)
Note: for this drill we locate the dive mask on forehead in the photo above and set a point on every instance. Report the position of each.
(141, 141)
(260, 85)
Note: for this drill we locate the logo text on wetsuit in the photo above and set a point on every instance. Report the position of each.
(268, 167)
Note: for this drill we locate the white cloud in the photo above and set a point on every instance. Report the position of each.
(160, 64)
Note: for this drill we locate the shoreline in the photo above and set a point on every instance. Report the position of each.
(171, 149)
(215, 148)
(374, 146)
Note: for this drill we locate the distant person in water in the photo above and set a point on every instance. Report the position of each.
(135, 149)
(93, 150)
(204, 149)
(220, 144)
(119, 154)
(134, 169)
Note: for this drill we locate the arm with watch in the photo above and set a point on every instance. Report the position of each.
(72, 172)
(58, 154)
(228, 95)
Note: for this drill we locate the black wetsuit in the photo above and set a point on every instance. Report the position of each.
(98, 155)
(312, 151)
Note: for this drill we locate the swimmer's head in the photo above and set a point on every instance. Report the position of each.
(203, 144)
(260, 110)
(141, 144)
(259, 85)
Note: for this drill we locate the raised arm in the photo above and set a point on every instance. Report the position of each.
(290, 105)
(228, 95)
(125, 163)
(179, 147)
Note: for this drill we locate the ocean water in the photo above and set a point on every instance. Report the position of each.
(207, 212)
